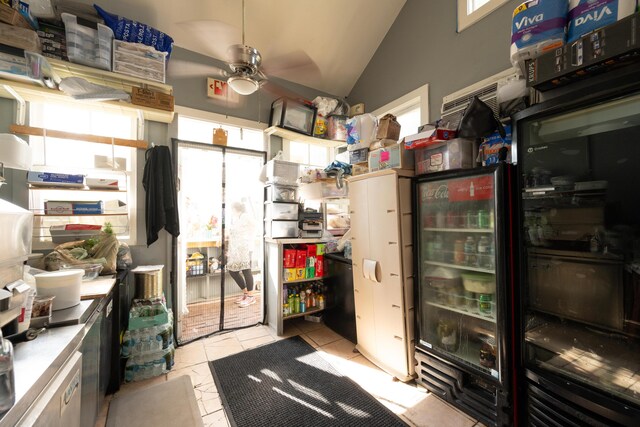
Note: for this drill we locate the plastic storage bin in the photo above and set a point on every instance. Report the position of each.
(281, 229)
(282, 211)
(138, 60)
(86, 45)
(456, 153)
(282, 193)
(282, 172)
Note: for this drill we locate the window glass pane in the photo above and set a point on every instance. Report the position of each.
(318, 156)
(409, 121)
(299, 152)
(473, 5)
(197, 130)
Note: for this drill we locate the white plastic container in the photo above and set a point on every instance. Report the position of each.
(537, 26)
(589, 15)
(282, 172)
(86, 45)
(64, 285)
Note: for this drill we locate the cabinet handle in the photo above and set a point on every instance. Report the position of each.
(391, 243)
(395, 306)
(353, 238)
(352, 212)
(355, 290)
(390, 210)
(398, 338)
(394, 275)
(358, 317)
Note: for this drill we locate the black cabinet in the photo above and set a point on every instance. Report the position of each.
(340, 313)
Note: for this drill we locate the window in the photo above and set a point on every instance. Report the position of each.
(471, 11)
(201, 130)
(411, 110)
(93, 160)
(307, 154)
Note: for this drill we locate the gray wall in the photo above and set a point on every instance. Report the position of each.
(422, 46)
(188, 72)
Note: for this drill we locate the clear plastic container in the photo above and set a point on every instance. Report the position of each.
(281, 229)
(282, 193)
(86, 45)
(282, 211)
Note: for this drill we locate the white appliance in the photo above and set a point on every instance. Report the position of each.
(381, 239)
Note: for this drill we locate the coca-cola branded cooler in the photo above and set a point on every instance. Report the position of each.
(465, 294)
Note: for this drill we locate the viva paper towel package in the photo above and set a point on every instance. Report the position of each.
(538, 26)
(589, 15)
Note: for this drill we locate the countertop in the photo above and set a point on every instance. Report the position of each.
(35, 364)
(97, 288)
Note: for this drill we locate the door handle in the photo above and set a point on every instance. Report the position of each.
(395, 306)
(390, 210)
(391, 243)
(394, 275)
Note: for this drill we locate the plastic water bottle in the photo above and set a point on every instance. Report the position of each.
(126, 344)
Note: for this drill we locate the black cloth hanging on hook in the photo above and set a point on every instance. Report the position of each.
(161, 200)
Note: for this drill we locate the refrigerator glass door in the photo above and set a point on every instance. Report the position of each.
(581, 231)
(458, 292)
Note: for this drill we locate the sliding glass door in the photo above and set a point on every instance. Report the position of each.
(219, 252)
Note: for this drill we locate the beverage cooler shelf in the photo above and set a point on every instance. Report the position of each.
(460, 267)
(604, 360)
(471, 313)
(460, 230)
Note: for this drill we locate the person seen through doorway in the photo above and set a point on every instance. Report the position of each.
(241, 234)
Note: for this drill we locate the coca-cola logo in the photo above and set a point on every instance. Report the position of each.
(437, 193)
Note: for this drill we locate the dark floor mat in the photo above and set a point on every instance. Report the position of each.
(288, 383)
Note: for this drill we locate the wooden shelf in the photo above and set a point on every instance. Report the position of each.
(295, 136)
(35, 92)
(293, 316)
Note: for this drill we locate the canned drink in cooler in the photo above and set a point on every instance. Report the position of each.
(483, 218)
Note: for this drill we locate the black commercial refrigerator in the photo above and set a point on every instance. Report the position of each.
(466, 302)
(579, 163)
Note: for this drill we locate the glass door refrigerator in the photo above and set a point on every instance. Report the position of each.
(579, 164)
(464, 238)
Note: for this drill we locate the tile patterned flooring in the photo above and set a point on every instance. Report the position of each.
(412, 403)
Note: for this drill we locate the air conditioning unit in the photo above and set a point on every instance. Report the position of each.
(453, 105)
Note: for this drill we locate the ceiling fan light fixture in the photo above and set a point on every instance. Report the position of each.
(243, 85)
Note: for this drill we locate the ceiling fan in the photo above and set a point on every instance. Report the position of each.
(243, 66)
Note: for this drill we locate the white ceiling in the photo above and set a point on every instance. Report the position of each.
(338, 36)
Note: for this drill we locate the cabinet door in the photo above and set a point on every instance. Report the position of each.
(359, 216)
(365, 320)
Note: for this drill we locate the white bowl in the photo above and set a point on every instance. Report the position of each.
(63, 284)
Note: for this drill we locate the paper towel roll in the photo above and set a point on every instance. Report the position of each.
(371, 270)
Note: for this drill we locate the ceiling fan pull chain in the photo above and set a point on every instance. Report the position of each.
(243, 23)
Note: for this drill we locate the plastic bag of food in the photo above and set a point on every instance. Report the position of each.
(132, 31)
(100, 250)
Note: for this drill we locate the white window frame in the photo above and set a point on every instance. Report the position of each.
(286, 150)
(192, 113)
(419, 96)
(465, 20)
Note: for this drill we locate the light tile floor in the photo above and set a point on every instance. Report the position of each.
(412, 403)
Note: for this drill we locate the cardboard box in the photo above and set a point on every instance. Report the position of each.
(428, 137)
(151, 98)
(101, 183)
(388, 128)
(289, 258)
(456, 153)
(52, 207)
(606, 48)
(394, 156)
(311, 250)
(289, 274)
(301, 258)
(300, 273)
(359, 169)
(320, 249)
(55, 179)
(13, 17)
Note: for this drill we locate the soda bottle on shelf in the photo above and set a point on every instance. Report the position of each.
(296, 304)
(470, 255)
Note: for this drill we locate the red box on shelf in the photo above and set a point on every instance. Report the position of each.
(311, 250)
(289, 258)
(301, 258)
(319, 266)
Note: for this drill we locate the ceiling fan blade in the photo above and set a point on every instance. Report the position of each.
(177, 68)
(291, 63)
(211, 37)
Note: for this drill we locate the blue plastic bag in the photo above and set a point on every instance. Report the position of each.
(136, 32)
